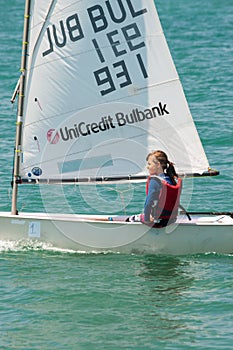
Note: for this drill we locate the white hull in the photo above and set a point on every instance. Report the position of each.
(95, 233)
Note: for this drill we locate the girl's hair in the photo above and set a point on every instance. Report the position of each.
(167, 166)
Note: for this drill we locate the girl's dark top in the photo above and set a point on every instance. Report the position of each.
(153, 194)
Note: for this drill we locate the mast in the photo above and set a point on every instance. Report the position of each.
(19, 123)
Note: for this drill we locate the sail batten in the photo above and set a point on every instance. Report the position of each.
(102, 92)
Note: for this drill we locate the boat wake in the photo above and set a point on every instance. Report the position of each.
(32, 245)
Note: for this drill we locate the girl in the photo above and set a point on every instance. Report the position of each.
(163, 191)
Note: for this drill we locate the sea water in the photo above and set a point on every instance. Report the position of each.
(54, 299)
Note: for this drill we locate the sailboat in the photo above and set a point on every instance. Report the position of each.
(98, 91)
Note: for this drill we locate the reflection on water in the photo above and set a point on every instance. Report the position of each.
(165, 282)
(168, 272)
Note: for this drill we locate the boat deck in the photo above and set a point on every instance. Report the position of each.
(183, 219)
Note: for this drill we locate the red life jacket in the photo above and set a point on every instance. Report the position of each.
(169, 200)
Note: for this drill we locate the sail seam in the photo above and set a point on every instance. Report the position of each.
(110, 101)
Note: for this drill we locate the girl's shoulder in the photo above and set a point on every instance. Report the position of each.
(155, 181)
(160, 178)
(168, 179)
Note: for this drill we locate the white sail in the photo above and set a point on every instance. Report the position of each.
(102, 92)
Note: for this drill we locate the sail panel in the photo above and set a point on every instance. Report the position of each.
(102, 92)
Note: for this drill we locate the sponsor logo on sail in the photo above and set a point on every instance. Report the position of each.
(106, 123)
(53, 136)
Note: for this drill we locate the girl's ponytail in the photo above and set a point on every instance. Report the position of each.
(171, 172)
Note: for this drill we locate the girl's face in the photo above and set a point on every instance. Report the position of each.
(154, 166)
